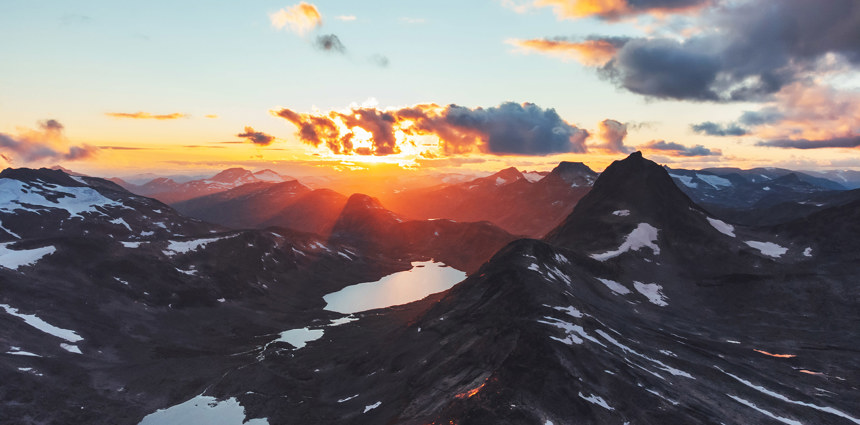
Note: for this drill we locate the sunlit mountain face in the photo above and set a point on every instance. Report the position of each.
(536, 212)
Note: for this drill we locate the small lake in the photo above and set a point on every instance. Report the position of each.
(425, 278)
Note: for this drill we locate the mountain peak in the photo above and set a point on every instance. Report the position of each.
(232, 175)
(631, 190)
(575, 173)
(508, 175)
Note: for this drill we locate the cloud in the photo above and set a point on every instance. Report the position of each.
(379, 60)
(508, 129)
(211, 116)
(146, 115)
(744, 51)
(837, 142)
(802, 115)
(713, 129)
(48, 142)
(300, 19)
(591, 52)
(408, 20)
(256, 137)
(612, 133)
(329, 43)
(677, 149)
(617, 9)
(345, 18)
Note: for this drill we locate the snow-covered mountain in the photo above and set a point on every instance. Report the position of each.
(640, 307)
(169, 191)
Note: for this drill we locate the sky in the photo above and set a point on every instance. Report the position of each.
(118, 88)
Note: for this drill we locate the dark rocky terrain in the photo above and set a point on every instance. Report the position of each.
(640, 307)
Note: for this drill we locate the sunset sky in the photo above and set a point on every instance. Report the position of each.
(117, 88)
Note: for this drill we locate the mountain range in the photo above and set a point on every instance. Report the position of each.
(635, 301)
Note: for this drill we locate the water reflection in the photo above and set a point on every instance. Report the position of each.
(425, 278)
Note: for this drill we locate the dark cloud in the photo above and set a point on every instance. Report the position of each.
(508, 129)
(612, 133)
(47, 143)
(749, 51)
(767, 115)
(836, 142)
(329, 43)
(713, 129)
(256, 137)
(677, 149)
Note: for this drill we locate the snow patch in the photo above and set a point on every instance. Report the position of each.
(722, 227)
(594, 399)
(768, 248)
(16, 351)
(615, 287)
(203, 410)
(807, 252)
(643, 236)
(372, 406)
(685, 180)
(131, 244)
(621, 213)
(183, 247)
(121, 222)
(715, 181)
(500, 181)
(533, 177)
(347, 399)
(12, 259)
(653, 292)
(43, 326)
(71, 348)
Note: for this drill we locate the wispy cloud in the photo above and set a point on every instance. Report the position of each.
(345, 18)
(613, 9)
(408, 20)
(591, 52)
(300, 19)
(147, 115)
(713, 129)
(836, 142)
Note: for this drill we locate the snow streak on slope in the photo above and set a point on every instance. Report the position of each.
(12, 259)
(643, 236)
